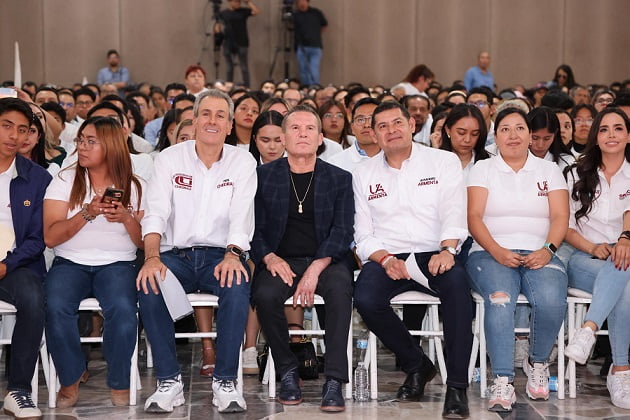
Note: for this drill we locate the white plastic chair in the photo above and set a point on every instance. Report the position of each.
(91, 304)
(315, 330)
(430, 328)
(479, 331)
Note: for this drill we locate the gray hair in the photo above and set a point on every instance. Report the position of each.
(213, 93)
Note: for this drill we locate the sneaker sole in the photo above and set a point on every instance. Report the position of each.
(499, 408)
(576, 358)
(291, 402)
(535, 396)
(10, 413)
(154, 407)
(233, 407)
(332, 409)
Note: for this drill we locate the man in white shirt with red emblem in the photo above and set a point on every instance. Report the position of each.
(198, 224)
(411, 199)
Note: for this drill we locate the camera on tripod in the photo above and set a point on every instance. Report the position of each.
(287, 10)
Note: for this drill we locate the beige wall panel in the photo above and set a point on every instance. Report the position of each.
(77, 35)
(597, 45)
(527, 39)
(21, 21)
(451, 34)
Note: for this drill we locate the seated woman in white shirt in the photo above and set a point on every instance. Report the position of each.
(518, 214)
(599, 228)
(95, 242)
(546, 138)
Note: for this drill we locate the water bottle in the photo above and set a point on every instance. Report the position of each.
(476, 376)
(553, 383)
(361, 388)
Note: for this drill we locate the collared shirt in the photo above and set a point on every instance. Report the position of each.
(152, 130)
(6, 219)
(191, 205)
(411, 209)
(106, 75)
(349, 158)
(564, 161)
(604, 223)
(99, 242)
(475, 77)
(332, 148)
(517, 207)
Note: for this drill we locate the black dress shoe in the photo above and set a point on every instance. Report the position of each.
(455, 404)
(290, 392)
(413, 387)
(332, 398)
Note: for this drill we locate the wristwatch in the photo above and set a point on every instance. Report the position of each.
(551, 247)
(234, 250)
(450, 249)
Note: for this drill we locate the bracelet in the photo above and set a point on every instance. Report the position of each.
(86, 214)
(389, 257)
(148, 258)
(385, 257)
(623, 237)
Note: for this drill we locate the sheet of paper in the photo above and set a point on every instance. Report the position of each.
(174, 296)
(7, 241)
(415, 272)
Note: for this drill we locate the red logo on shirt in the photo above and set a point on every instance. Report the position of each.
(624, 195)
(376, 191)
(427, 181)
(182, 181)
(225, 183)
(543, 189)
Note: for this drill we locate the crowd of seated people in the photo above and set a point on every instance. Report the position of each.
(257, 196)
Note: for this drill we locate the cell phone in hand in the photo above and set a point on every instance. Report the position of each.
(112, 194)
(8, 93)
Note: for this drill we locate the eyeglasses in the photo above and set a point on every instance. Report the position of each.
(66, 105)
(330, 115)
(84, 103)
(580, 121)
(604, 101)
(88, 144)
(362, 120)
(479, 104)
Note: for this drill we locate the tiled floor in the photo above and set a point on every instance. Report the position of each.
(592, 401)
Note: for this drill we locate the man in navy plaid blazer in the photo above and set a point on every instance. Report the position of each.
(304, 227)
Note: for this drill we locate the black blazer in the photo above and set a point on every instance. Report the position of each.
(334, 209)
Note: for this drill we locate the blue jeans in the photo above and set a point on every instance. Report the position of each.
(546, 291)
(114, 286)
(195, 271)
(241, 52)
(308, 59)
(611, 299)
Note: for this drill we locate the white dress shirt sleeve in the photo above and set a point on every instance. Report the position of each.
(158, 198)
(241, 229)
(364, 237)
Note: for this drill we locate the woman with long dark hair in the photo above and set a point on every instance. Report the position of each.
(546, 139)
(246, 110)
(95, 236)
(583, 116)
(334, 124)
(464, 133)
(563, 77)
(599, 229)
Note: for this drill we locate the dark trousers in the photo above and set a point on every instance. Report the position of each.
(373, 292)
(23, 289)
(335, 286)
(241, 52)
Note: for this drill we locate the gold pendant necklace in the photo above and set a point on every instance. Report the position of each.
(300, 210)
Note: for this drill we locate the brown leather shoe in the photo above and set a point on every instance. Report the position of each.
(120, 397)
(69, 395)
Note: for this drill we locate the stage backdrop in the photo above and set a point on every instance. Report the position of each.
(371, 41)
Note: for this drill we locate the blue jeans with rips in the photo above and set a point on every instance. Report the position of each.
(194, 268)
(611, 299)
(546, 291)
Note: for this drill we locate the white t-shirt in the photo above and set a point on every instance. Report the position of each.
(7, 232)
(98, 242)
(604, 223)
(517, 208)
(563, 162)
(411, 209)
(349, 158)
(332, 148)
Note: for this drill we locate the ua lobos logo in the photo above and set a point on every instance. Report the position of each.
(376, 191)
(543, 189)
(182, 181)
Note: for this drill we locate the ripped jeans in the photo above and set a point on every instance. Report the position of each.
(546, 291)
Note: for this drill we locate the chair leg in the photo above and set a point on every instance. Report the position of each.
(239, 381)
(349, 354)
(475, 345)
(272, 376)
(35, 383)
(149, 352)
(133, 379)
(437, 341)
(373, 375)
(483, 368)
(561, 362)
(573, 314)
(54, 383)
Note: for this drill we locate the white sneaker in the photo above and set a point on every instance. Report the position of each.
(579, 349)
(20, 405)
(619, 387)
(226, 397)
(502, 395)
(537, 387)
(250, 361)
(169, 394)
(521, 351)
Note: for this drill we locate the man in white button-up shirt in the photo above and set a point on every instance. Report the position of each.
(198, 224)
(410, 199)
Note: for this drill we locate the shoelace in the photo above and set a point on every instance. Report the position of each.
(166, 385)
(23, 399)
(226, 385)
(539, 374)
(332, 386)
(502, 389)
(289, 377)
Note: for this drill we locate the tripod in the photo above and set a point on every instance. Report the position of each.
(211, 37)
(286, 48)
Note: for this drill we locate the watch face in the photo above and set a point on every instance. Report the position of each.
(235, 251)
(553, 248)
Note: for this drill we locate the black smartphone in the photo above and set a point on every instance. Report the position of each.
(112, 194)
